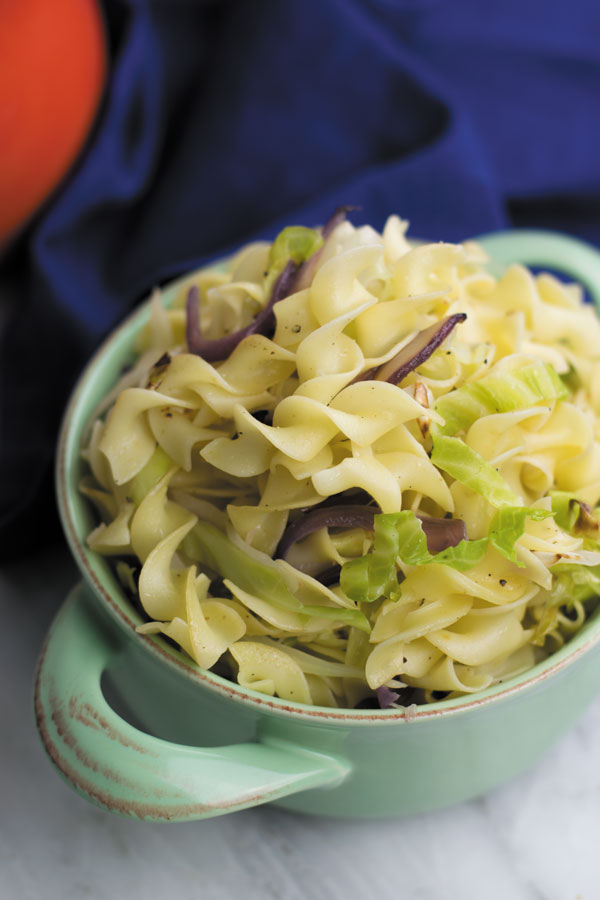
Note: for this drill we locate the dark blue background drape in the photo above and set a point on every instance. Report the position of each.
(224, 120)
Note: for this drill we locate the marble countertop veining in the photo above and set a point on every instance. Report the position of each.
(533, 839)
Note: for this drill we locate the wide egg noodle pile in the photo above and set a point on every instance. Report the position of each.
(198, 467)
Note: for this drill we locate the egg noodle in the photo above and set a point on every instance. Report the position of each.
(207, 475)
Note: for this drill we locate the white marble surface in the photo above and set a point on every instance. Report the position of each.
(535, 838)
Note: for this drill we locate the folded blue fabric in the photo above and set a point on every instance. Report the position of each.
(223, 121)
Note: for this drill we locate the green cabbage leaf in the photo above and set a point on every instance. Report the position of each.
(210, 548)
(400, 535)
(499, 392)
(293, 243)
(452, 455)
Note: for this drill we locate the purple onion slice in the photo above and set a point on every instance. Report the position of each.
(338, 216)
(367, 375)
(440, 533)
(417, 351)
(306, 272)
(329, 576)
(586, 522)
(213, 349)
(386, 697)
(326, 517)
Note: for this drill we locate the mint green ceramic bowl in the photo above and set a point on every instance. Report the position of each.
(203, 746)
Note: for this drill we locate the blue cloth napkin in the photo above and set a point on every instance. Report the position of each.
(223, 121)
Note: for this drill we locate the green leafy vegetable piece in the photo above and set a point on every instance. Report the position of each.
(356, 581)
(453, 456)
(294, 242)
(572, 378)
(565, 509)
(571, 583)
(339, 614)
(209, 547)
(508, 525)
(401, 535)
(374, 575)
(575, 516)
(156, 468)
(499, 393)
(412, 546)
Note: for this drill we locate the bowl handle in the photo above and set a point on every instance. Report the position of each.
(559, 252)
(130, 772)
